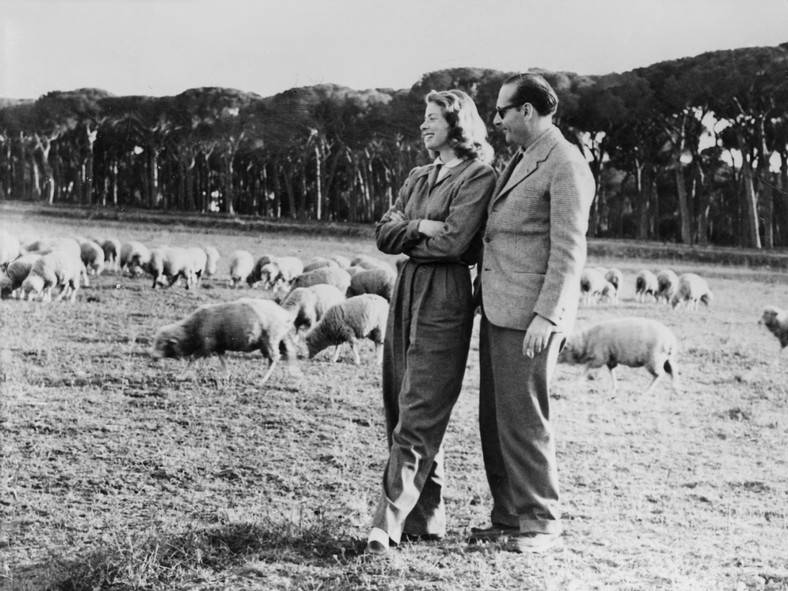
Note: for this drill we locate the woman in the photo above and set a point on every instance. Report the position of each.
(437, 221)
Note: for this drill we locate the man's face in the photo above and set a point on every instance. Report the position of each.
(509, 117)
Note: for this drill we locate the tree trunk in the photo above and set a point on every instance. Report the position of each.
(750, 205)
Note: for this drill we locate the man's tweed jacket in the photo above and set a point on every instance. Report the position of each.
(534, 243)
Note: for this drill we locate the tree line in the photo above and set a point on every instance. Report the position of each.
(693, 150)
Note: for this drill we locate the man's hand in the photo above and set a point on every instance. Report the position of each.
(397, 216)
(430, 228)
(537, 336)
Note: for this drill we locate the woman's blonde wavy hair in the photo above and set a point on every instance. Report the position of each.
(467, 131)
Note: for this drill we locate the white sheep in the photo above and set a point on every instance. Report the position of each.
(318, 262)
(776, 320)
(355, 318)
(199, 261)
(370, 262)
(245, 325)
(10, 248)
(256, 276)
(92, 256)
(634, 342)
(307, 305)
(15, 274)
(212, 262)
(342, 261)
(692, 289)
(134, 257)
(168, 264)
(645, 285)
(280, 272)
(667, 283)
(241, 266)
(58, 268)
(592, 283)
(377, 281)
(335, 276)
(47, 245)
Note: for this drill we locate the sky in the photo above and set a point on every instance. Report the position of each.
(163, 47)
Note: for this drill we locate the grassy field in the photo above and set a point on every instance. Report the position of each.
(117, 475)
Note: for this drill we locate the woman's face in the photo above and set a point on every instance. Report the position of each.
(435, 129)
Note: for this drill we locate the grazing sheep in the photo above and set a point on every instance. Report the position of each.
(634, 342)
(592, 283)
(241, 266)
(667, 283)
(168, 264)
(616, 277)
(256, 276)
(370, 262)
(212, 262)
(199, 261)
(281, 271)
(245, 325)
(335, 276)
(645, 285)
(58, 268)
(692, 289)
(318, 262)
(10, 248)
(92, 256)
(776, 320)
(47, 245)
(111, 248)
(609, 293)
(342, 261)
(355, 318)
(307, 305)
(15, 274)
(378, 281)
(134, 257)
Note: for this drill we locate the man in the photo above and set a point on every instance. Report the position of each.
(534, 251)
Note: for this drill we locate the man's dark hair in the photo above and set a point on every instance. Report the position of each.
(534, 89)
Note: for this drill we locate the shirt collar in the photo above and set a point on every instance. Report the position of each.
(451, 163)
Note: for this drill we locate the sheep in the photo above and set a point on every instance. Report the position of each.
(212, 261)
(634, 342)
(370, 262)
(609, 293)
(355, 318)
(592, 283)
(92, 256)
(245, 325)
(15, 273)
(307, 305)
(691, 289)
(645, 285)
(256, 276)
(378, 281)
(199, 261)
(776, 320)
(111, 248)
(616, 277)
(281, 271)
(318, 262)
(241, 265)
(10, 248)
(667, 283)
(168, 264)
(59, 267)
(47, 245)
(342, 261)
(134, 257)
(335, 276)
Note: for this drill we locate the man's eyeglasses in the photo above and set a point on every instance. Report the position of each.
(502, 110)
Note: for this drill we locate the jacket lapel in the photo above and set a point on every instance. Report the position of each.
(533, 159)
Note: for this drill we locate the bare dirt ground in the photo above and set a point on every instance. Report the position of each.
(117, 475)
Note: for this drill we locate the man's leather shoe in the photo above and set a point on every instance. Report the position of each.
(533, 542)
(493, 532)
